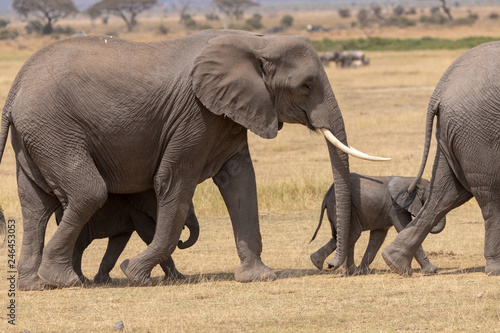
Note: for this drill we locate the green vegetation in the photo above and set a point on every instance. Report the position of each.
(396, 44)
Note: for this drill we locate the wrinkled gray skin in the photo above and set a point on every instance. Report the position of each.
(374, 209)
(466, 102)
(97, 115)
(117, 219)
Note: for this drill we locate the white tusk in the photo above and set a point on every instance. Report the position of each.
(349, 150)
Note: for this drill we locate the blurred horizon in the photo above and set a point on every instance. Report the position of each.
(287, 5)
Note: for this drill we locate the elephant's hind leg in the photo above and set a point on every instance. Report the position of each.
(83, 189)
(490, 208)
(115, 247)
(37, 207)
(446, 194)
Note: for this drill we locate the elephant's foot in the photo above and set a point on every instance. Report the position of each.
(318, 260)
(492, 267)
(397, 262)
(135, 273)
(102, 278)
(363, 270)
(32, 282)
(84, 279)
(352, 270)
(429, 269)
(173, 274)
(254, 271)
(58, 274)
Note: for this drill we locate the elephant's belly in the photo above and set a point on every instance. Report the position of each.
(127, 175)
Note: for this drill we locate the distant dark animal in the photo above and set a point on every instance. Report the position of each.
(345, 59)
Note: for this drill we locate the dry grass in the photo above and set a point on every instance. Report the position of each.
(383, 107)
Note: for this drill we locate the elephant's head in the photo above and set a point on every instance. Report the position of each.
(260, 82)
(417, 199)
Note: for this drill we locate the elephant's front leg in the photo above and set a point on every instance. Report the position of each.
(116, 245)
(236, 182)
(377, 238)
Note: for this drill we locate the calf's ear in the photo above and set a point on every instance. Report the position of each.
(398, 188)
(228, 80)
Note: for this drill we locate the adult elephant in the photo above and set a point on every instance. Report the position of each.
(374, 209)
(467, 106)
(117, 219)
(96, 115)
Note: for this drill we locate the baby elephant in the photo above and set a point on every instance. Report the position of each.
(117, 219)
(374, 208)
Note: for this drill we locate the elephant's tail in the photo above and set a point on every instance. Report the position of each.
(323, 207)
(7, 116)
(4, 131)
(431, 113)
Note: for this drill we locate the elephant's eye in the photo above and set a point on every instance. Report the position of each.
(307, 86)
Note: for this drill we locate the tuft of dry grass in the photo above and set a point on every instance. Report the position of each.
(384, 108)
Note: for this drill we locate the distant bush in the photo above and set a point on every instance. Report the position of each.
(67, 30)
(8, 34)
(399, 21)
(286, 21)
(411, 11)
(473, 16)
(190, 24)
(33, 27)
(163, 29)
(435, 10)
(204, 26)
(363, 16)
(212, 17)
(3, 23)
(393, 44)
(436, 18)
(464, 21)
(398, 10)
(493, 16)
(344, 12)
(254, 23)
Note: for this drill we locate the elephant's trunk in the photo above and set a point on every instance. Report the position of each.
(439, 226)
(194, 230)
(340, 166)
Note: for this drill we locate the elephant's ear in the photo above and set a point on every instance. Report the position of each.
(398, 188)
(228, 80)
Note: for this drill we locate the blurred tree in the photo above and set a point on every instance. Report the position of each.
(286, 21)
(254, 23)
(344, 12)
(363, 16)
(126, 9)
(183, 10)
(233, 9)
(446, 9)
(47, 12)
(398, 10)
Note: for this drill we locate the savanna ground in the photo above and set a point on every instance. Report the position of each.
(384, 107)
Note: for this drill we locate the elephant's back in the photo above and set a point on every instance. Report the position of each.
(470, 96)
